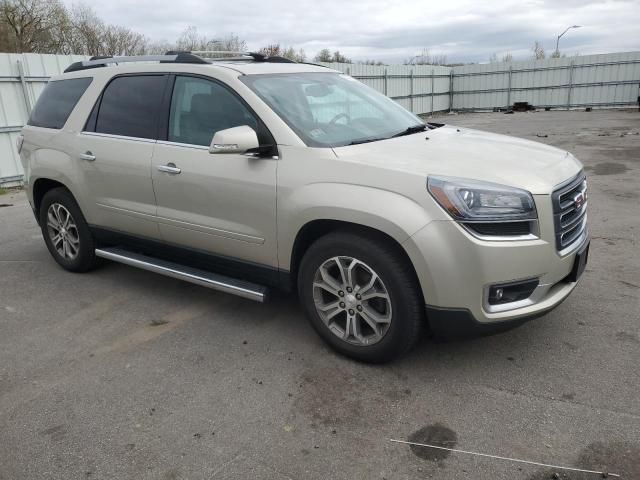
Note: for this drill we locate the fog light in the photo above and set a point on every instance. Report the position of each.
(511, 292)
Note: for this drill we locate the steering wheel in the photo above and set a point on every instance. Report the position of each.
(339, 116)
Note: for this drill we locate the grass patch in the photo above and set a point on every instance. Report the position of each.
(4, 190)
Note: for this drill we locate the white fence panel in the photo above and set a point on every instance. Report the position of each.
(592, 80)
(418, 88)
(606, 80)
(22, 79)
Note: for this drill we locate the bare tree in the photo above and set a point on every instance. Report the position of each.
(275, 50)
(425, 58)
(324, 55)
(6, 38)
(66, 34)
(506, 58)
(339, 58)
(32, 25)
(190, 39)
(47, 26)
(122, 41)
(88, 34)
(158, 47)
(85, 35)
(272, 50)
(538, 51)
(295, 55)
(232, 43)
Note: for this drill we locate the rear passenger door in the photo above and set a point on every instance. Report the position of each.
(223, 204)
(116, 149)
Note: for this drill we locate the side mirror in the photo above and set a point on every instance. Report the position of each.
(234, 140)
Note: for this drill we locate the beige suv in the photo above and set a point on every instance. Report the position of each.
(248, 173)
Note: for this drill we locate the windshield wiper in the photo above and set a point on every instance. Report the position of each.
(366, 140)
(411, 130)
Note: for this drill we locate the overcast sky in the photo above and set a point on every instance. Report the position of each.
(393, 30)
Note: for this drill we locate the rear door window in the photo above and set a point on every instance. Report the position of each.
(130, 106)
(57, 101)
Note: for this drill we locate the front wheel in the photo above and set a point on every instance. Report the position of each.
(361, 295)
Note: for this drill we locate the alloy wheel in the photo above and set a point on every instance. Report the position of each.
(352, 300)
(63, 231)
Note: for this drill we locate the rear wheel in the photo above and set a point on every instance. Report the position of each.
(66, 232)
(361, 296)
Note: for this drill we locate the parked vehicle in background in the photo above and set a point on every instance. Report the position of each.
(250, 173)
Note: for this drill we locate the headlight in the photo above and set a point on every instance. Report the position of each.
(474, 201)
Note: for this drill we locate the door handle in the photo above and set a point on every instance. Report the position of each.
(169, 168)
(88, 156)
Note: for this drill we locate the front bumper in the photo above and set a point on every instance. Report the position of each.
(455, 270)
(459, 323)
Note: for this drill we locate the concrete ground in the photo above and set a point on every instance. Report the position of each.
(123, 374)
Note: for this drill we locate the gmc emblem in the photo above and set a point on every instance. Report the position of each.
(579, 200)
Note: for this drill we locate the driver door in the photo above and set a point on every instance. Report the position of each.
(222, 204)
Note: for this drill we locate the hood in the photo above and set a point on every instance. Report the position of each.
(467, 153)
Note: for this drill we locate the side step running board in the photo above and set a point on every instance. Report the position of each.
(211, 280)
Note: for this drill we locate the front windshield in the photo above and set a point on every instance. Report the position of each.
(330, 109)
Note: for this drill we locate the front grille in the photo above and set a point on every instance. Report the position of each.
(570, 211)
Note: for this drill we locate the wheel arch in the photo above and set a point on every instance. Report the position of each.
(40, 188)
(318, 228)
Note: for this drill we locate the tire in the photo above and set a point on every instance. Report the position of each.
(403, 305)
(76, 250)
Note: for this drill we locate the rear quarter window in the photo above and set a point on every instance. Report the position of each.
(57, 101)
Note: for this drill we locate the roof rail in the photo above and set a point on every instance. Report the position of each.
(170, 57)
(175, 56)
(243, 56)
(209, 52)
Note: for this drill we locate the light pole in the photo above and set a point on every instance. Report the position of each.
(558, 39)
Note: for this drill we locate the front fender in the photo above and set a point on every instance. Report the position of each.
(391, 213)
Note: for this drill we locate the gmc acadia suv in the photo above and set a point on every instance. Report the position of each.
(245, 173)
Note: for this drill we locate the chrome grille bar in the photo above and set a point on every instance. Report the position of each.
(570, 211)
